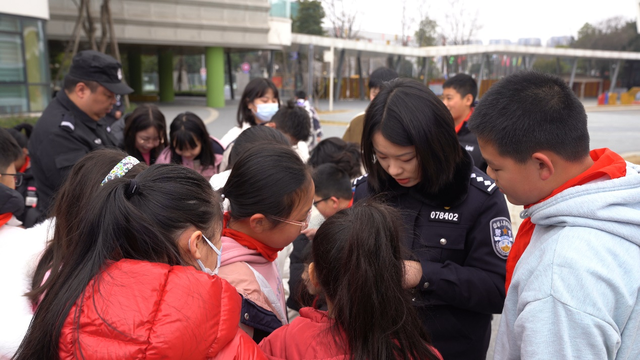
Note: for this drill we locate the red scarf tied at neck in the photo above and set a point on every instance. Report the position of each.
(247, 241)
(4, 218)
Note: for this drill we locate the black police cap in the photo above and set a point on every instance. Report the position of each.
(95, 66)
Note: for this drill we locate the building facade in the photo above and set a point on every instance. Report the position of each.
(24, 61)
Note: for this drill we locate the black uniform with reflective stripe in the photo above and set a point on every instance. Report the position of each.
(62, 136)
(463, 276)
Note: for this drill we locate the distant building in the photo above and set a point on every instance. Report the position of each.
(24, 62)
(560, 41)
(500, 42)
(530, 42)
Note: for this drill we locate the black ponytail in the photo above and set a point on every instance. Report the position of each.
(357, 260)
(128, 219)
(269, 179)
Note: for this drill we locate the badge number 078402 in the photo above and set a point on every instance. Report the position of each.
(444, 216)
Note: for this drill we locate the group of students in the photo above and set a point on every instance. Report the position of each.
(410, 261)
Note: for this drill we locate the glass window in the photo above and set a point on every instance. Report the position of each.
(9, 23)
(13, 99)
(24, 65)
(11, 60)
(34, 51)
(38, 97)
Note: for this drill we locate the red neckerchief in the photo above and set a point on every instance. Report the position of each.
(25, 166)
(459, 126)
(606, 163)
(4, 218)
(350, 203)
(247, 241)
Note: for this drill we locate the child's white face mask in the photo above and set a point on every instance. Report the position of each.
(219, 252)
(265, 112)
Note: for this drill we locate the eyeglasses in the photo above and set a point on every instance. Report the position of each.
(304, 225)
(315, 203)
(16, 177)
(150, 141)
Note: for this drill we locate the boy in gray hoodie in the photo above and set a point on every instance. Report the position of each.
(573, 279)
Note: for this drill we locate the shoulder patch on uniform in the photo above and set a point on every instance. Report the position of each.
(360, 180)
(501, 236)
(483, 182)
(68, 123)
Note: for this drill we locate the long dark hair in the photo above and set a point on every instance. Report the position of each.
(185, 130)
(72, 200)
(142, 118)
(333, 150)
(407, 113)
(268, 179)
(358, 263)
(127, 219)
(255, 88)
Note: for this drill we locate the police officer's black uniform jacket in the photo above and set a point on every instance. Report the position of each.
(469, 142)
(62, 136)
(452, 235)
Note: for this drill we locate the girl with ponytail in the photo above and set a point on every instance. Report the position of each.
(138, 282)
(357, 263)
(270, 192)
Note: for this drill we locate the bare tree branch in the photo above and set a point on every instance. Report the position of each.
(461, 24)
(342, 15)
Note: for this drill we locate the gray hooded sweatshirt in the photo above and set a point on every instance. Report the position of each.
(575, 292)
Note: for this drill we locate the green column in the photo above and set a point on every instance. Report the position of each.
(215, 77)
(134, 59)
(165, 75)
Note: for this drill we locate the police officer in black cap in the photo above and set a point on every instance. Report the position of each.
(69, 127)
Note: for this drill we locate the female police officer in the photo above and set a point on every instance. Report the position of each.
(456, 223)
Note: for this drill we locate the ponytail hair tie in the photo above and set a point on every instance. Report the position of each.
(131, 189)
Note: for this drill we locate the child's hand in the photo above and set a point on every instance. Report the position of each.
(310, 287)
(412, 274)
(310, 233)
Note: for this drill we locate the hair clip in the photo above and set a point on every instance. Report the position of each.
(121, 169)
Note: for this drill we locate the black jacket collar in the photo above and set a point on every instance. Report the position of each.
(11, 201)
(80, 115)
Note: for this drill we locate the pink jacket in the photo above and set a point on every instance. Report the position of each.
(255, 278)
(165, 158)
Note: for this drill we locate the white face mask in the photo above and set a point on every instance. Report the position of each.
(265, 112)
(219, 252)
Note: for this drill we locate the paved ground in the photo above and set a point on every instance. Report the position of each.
(616, 127)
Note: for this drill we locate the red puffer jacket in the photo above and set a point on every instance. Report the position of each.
(308, 337)
(143, 310)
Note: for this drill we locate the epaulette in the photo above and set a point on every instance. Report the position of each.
(362, 179)
(68, 123)
(483, 182)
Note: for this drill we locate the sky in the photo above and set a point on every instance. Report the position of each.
(502, 19)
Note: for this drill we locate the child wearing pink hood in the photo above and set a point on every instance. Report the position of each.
(270, 192)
